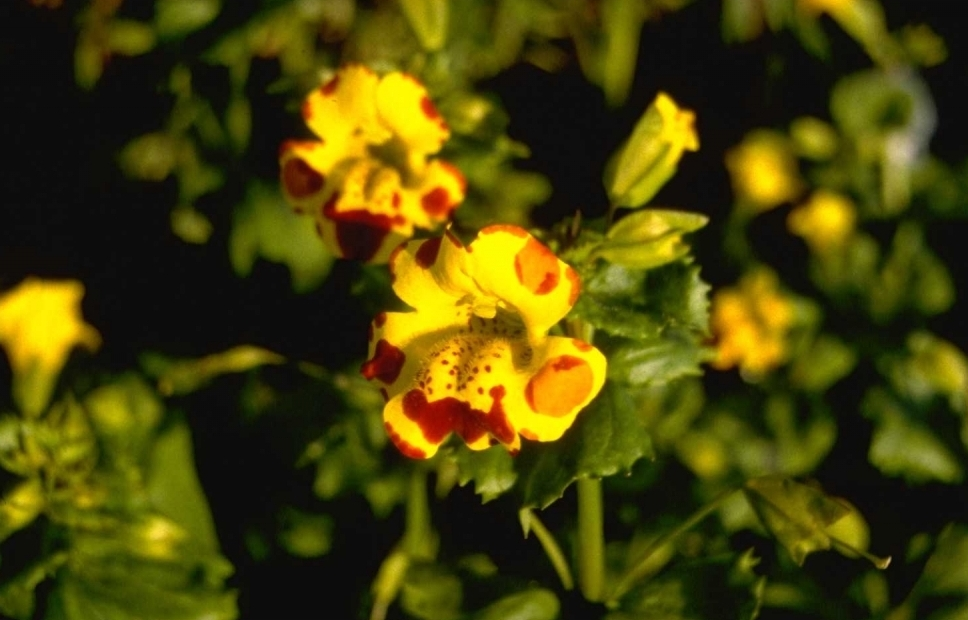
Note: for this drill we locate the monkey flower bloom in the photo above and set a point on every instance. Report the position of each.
(752, 323)
(369, 179)
(475, 357)
(763, 170)
(826, 221)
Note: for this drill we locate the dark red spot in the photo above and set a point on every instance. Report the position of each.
(386, 363)
(396, 200)
(427, 252)
(383, 393)
(427, 107)
(380, 319)
(436, 202)
(406, 448)
(329, 87)
(487, 368)
(453, 239)
(442, 417)
(300, 180)
(359, 233)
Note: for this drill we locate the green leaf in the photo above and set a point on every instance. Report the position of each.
(658, 361)
(535, 604)
(430, 592)
(177, 18)
(649, 238)
(827, 361)
(719, 587)
(429, 20)
(607, 438)
(17, 595)
(801, 516)
(492, 470)
(901, 446)
(129, 37)
(265, 227)
(177, 377)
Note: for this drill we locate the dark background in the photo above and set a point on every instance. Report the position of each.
(67, 212)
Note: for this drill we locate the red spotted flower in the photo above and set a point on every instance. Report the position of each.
(370, 179)
(474, 356)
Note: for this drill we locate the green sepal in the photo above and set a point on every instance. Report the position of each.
(649, 238)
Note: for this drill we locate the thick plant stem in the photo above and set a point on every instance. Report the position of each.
(417, 536)
(591, 539)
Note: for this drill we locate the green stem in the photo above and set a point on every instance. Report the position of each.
(643, 567)
(591, 539)
(531, 523)
(417, 535)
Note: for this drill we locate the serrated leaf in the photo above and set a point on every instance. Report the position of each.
(800, 516)
(607, 438)
(535, 604)
(658, 361)
(492, 470)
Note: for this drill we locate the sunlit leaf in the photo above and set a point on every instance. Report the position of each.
(649, 238)
(492, 470)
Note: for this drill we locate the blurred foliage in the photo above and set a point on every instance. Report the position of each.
(802, 328)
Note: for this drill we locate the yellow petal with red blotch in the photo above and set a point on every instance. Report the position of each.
(406, 109)
(302, 173)
(433, 201)
(430, 274)
(566, 375)
(508, 263)
(343, 111)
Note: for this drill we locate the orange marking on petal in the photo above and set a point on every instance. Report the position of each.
(300, 180)
(511, 229)
(405, 447)
(527, 434)
(562, 384)
(395, 201)
(453, 239)
(386, 364)
(437, 202)
(536, 267)
(581, 345)
(575, 280)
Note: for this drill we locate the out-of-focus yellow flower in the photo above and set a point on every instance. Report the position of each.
(651, 154)
(370, 180)
(40, 322)
(763, 171)
(825, 6)
(826, 221)
(474, 357)
(751, 323)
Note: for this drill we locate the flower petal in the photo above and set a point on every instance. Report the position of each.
(406, 109)
(342, 112)
(510, 264)
(302, 172)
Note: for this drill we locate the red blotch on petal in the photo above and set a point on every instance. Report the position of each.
(427, 107)
(359, 233)
(300, 180)
(406, 448)
(329, 87)
(575, 280)
(562, 384)
(396, 200)
(386, 364)
(536, 267)
(437, 202)
(426, 254)
(449, 415)
(380, 319)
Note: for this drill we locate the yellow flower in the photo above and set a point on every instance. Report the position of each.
(763, 171)
(475, 357)
(40, 322)
(825, 221)
(370, 180)
(751, 324)
(651, 154)
(825, 6)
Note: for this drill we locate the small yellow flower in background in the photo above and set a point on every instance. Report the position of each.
(825, 6)
(474, 357)
(826, 221)
(751, 323)
(40, 322)
(369, 180)
(763, 170)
